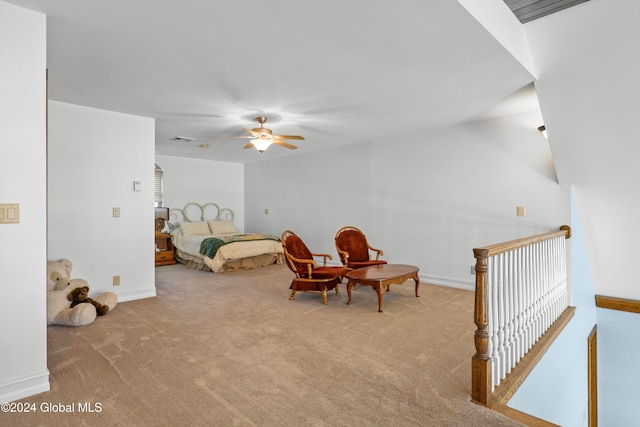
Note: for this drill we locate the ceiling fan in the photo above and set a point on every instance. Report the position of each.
(263, 137)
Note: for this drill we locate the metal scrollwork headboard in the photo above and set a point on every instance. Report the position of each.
(194, 212)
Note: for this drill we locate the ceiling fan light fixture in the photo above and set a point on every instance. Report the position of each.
(263, 137)
(261, 144)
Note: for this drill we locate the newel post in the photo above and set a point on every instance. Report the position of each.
(481, 375)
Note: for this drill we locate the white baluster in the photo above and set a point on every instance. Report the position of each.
(511, 310)
(546, 285)
(538, 294)
(501, 317)
(492, 291)
(528, 286)
(521, 304)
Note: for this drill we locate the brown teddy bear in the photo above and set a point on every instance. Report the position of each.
(81, 295)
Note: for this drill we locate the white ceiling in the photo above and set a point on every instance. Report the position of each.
(337, 72)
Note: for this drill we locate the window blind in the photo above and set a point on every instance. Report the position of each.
(158, 183)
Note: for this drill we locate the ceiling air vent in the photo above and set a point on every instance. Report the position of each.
(182, 139)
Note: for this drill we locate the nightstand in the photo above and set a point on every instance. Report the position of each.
(165, 255)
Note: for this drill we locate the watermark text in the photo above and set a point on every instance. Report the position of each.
(52, 407)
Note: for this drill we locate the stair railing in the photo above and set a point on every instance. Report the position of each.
(521, 290)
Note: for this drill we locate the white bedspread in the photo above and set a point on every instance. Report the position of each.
(230, 251)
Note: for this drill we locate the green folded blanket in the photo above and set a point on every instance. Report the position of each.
(210, 245)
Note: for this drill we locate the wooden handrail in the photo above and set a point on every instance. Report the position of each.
(621, 304)
(499, 248)
(481, 368)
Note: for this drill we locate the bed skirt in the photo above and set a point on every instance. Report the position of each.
(197, 263)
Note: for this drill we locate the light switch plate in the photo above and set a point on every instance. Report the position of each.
(9, 213)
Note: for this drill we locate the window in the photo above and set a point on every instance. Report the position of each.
(158, 184)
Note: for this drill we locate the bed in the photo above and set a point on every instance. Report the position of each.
(206, 238)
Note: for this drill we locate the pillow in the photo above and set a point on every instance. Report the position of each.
(195, 228)
(222, 226)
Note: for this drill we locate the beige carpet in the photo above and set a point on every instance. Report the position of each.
(231, 350)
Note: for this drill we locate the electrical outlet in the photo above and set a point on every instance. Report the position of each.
(266, 211)
(116, 280)
(116, 212)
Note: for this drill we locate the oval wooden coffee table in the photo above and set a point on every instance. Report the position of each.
(381, 276)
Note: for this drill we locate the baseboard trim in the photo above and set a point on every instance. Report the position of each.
(620, 304)
(433, 280)
(25, 387)
(448, 282)
(592, 377)
(522, 417)
(131, 296)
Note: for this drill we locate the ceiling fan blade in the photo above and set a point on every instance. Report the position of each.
(216, 138)
(252, 132)
(298, 137)
(284, 144)
(249, 145)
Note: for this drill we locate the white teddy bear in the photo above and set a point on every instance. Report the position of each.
(59, 285)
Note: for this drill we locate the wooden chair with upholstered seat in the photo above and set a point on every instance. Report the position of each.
(354, 249)
(309, 276)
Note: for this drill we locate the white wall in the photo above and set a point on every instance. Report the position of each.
(588, 89)
(23, 330)
(94, 157)
(618, 373)
(201, 181)
(427, 200)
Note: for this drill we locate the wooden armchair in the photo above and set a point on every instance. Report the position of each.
(309, 276)
(353, 248)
